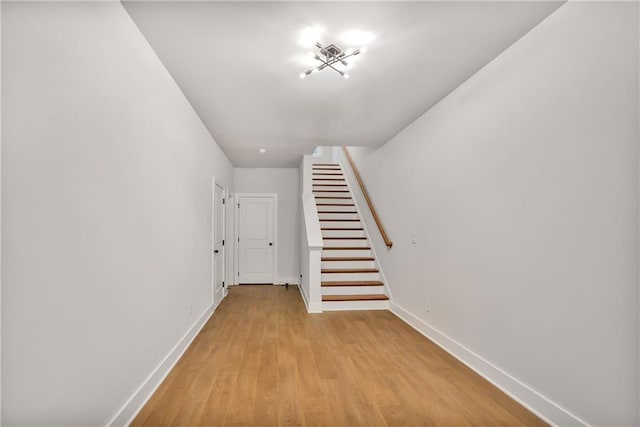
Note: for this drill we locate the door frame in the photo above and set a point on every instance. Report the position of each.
(236, 261)
(231, 248)
(213, 241)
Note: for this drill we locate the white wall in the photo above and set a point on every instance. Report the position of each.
(1, 214)
(106, 182)
(357, 152)
(522, 186)
(283, 181)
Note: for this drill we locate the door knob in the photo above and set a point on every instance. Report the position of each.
(270, 244)
(216, 251)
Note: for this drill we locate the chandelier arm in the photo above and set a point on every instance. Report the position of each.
(334, 60)
(330, 65)
(342, 58)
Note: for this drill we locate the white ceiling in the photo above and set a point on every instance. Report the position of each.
(238, 64)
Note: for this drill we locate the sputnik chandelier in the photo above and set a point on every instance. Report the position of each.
(333, 57)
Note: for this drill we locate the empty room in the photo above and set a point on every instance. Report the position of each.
(329, 213)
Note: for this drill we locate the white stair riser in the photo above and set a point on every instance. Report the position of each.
(331, 194)
(338, 215)
(346, 277)
(342, 233)
(345, 253)
(348, 264)
(329, 187)
(320, 181)
(352, 290)
(340, 224)
(346, 243)
(335, 208)
(355, 305)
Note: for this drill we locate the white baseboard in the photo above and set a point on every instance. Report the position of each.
(304, 297)
(311, 308)
(289, 280)
(544, 408)
(136, 402)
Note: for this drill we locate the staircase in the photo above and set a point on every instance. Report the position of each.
(350, 279)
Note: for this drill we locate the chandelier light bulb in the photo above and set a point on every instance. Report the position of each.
(348, 51)
(363, 49)
(345, 75)
(303, 75)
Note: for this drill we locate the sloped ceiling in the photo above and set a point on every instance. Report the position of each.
(238, 64)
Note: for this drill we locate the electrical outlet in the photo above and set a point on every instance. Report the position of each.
(190, 309)
(428, 306)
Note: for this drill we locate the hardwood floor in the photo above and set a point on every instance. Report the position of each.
(262, 360)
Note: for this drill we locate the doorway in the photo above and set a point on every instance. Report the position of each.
(257, 231)
(218, 231)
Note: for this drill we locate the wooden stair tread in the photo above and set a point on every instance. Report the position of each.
(325, 164)
(328, 179)
(329, 185)
(345, 238)
(327, 174)
(346, 248)
(353, 283)
(334, 197)
(341, 220)
(337, 212)
(331, 191)
(371, 297)
(349, 270)
(347, 258)
(335, 204)
(340, 229)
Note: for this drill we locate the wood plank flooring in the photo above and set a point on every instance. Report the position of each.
(262, 360)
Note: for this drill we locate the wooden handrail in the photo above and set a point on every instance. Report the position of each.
(372, 208)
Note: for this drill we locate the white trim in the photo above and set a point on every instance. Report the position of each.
(276, 243)
(141, 396)
(226, 242)
(355, 305)
(0, 220)
(213, 241)
(304, 297)
(236, 246)
(289, 280)
(314, 307)
(276, 246)
(548, 411)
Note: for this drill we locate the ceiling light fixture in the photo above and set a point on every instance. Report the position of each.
(262, 151)
(330, 56)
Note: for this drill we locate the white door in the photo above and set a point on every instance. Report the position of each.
(218, 238)
(256, 239)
